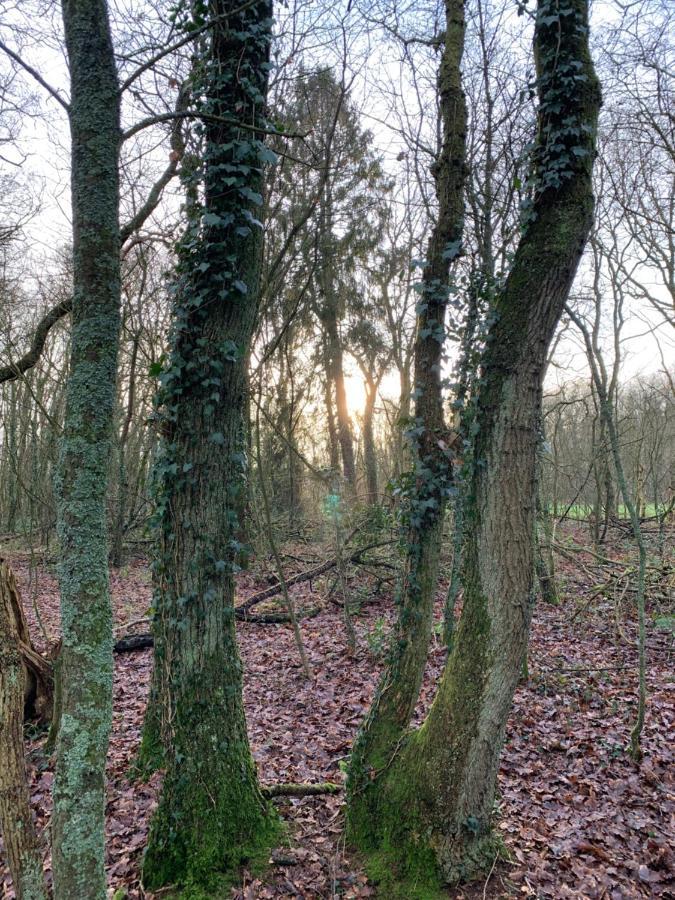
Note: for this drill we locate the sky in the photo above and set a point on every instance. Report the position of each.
(44, 148)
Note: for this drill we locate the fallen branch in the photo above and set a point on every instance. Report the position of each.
(134, 642)
(301, 790)
(309, 575)
(279, 618)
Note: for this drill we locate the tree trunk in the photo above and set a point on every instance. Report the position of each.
(424, 809)
(86, 617)
(333, 448)
(369, 455)
(212, 817)
(426, 501)
(117, 550)
(16, 818)
(335, 369)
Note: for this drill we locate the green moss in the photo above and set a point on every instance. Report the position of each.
(213, 862)
(150, 756)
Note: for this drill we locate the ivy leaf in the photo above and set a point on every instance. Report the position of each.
(251, 195)
(214, 219)
(266, 155)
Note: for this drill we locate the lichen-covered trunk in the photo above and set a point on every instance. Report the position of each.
(16, 820)
(425, 503)
(81, 484)
(444, 774)
(211, 817)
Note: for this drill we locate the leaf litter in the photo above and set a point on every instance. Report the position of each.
(579, 818)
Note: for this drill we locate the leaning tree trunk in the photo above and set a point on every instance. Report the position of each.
(425, 810)
(16, 819)
(399, 686)
(212, 817)
(86, 617)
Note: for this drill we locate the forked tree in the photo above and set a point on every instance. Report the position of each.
(420, 803)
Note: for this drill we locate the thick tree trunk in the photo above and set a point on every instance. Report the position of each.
(212, 817)
(86, 618)
(426, 502)
(443, 775)
(16, 819)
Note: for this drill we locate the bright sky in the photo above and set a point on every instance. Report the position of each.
(44, 143)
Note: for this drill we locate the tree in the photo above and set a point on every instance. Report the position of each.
(211, 816)
(424, 808)
(430, 479)
(86, 617)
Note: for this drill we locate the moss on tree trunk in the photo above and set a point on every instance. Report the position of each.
(425, 818)
(430, 478)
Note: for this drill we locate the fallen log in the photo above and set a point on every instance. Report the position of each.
(300, 790)
(132, 642)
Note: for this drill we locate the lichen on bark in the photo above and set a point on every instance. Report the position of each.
(82, 478)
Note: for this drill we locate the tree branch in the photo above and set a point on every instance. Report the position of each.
(28, 360)
(301, 790)
(14, 370)
(36, 75)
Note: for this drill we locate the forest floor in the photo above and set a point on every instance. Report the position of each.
(580, 819)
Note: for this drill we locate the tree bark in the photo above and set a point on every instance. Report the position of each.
(86, 617)
(426, 502)
(16, 818)
(333, 344)
(212, 817)
(443, 775)
(369, 454)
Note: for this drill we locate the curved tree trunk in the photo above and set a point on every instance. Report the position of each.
(212, 817)
(443, 775)
(400, 684)
(86, 616)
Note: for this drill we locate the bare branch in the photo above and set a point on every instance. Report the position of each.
(36, 75)
(28, 360)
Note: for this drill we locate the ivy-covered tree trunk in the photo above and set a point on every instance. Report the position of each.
(211, 817)
(86, 444)
(425, 813)
(430, 478)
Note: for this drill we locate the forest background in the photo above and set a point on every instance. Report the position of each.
(354, 131)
